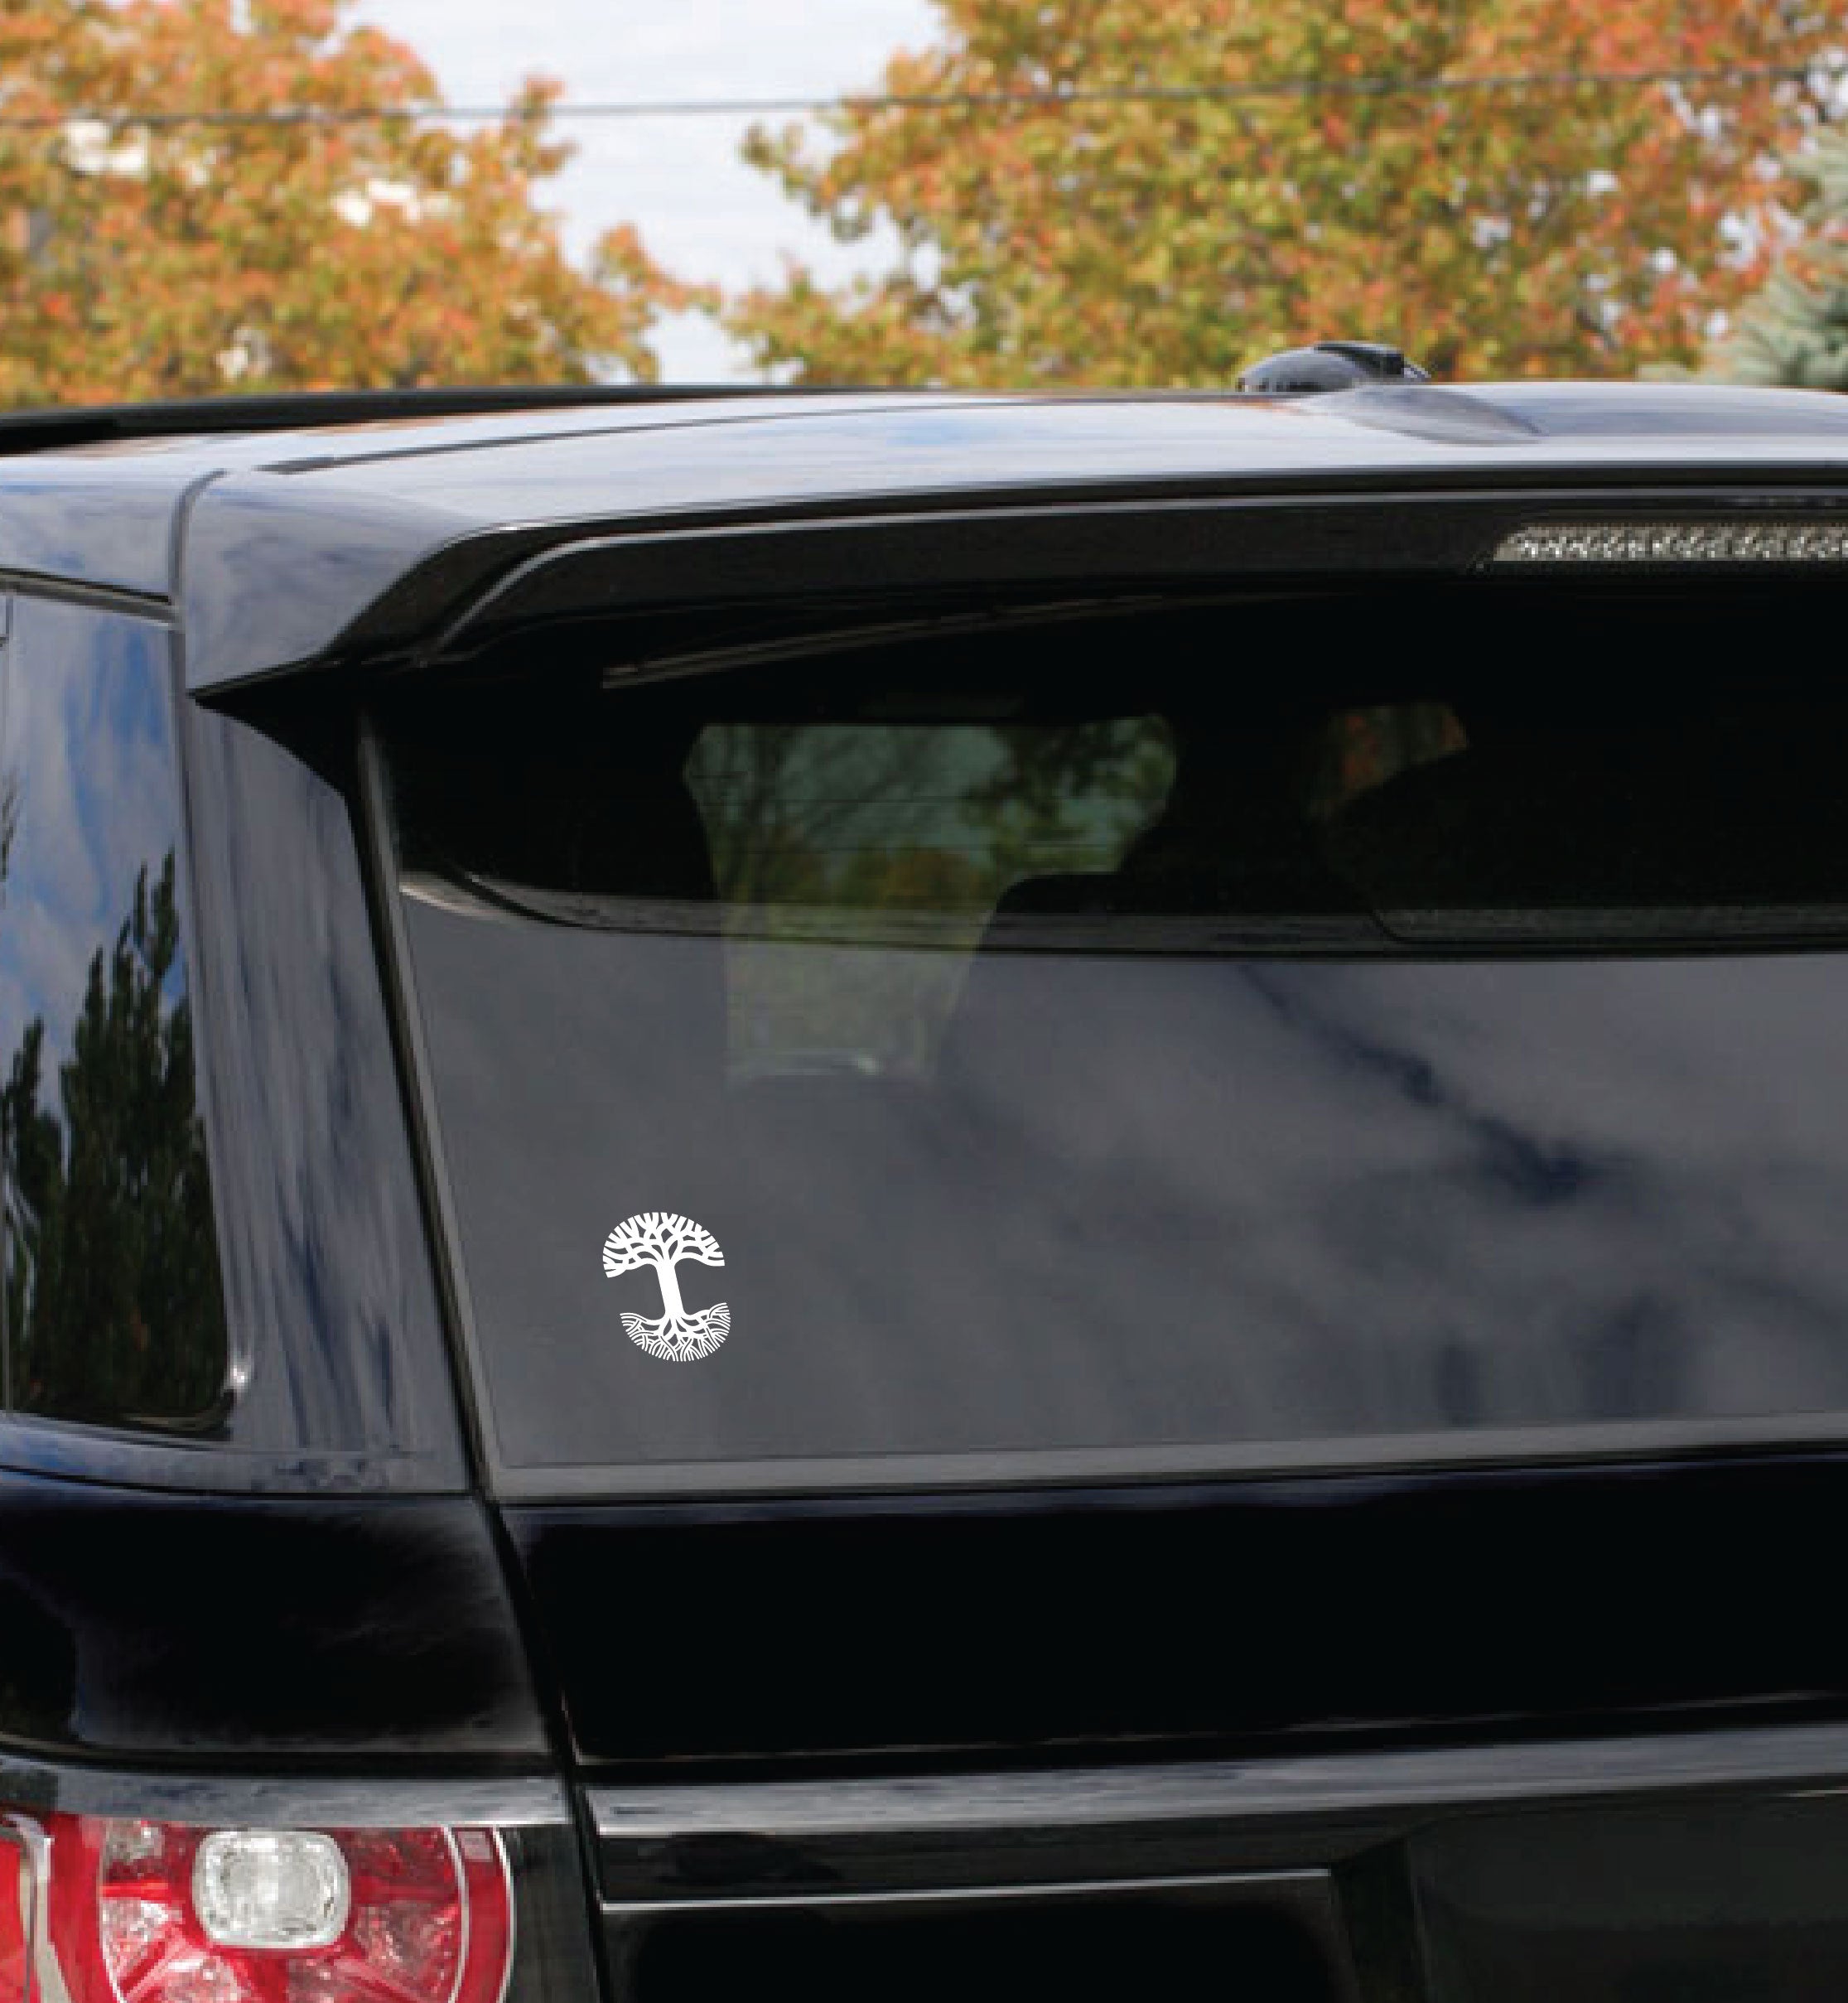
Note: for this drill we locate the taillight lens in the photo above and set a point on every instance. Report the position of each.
(14, 1918)
(145, 1912)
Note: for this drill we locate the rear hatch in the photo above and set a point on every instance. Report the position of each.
(1226, 1187)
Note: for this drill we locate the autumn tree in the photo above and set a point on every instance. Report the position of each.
(1148, 192)
(1795, 331)
(256, 236)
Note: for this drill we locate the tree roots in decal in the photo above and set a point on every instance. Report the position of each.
(662, 1239)
(680, 1338)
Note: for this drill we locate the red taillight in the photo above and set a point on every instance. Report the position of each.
(143, 1912)
(15, 1916)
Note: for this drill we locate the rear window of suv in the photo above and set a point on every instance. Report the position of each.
(1241, 1036)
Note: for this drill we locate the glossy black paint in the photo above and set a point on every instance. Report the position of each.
(98, 525)
(1329, 364)
(279, 539)
(329, 1797)
(328, 1283)
(1498, 1602)
(899, 1832)
(107, 516)
(102, 1151)
(39, 430)
(143, 1626)
(1361, 1687)
(1648, 1869)
(1279, 1936)
(366, 547)
(1122, 548)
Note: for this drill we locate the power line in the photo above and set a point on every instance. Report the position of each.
(1835, 72)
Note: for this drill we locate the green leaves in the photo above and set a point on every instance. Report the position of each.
(1795, 331)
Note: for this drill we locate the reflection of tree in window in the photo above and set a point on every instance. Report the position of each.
(1073, 798)
(111, 1290)
(9, 822)
(798, 815)
(869, 823)
(940, 817)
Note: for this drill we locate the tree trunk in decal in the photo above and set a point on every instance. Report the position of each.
(662, 1239)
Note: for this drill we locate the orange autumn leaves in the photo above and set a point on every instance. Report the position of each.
(187, 259)
(1590, 228)
(1563, 228)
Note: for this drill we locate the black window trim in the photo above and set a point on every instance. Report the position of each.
(378, 858)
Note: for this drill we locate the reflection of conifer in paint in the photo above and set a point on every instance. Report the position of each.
(662, 1239)
(111, 1292)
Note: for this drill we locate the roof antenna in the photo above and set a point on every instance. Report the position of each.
(1329, 364)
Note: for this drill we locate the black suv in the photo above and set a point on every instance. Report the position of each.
(848, 1195)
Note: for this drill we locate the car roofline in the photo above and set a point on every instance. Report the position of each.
(60, 429)
(299, 529)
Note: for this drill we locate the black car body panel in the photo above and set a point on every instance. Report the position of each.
(379, 548)
(1601, 1869)
(1380, 1610)
(95, 524)
(113, 512)
(325, 1237)
(1415, 1727)
(141, 1626)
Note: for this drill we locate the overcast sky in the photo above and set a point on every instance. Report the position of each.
(701, 210)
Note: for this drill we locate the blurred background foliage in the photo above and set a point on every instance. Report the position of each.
(1055, 192)
(1492, 187)
(1795, 331)
(207, 255)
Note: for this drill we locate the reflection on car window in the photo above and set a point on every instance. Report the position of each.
(1091, 1057)
(111, 1290)
(892, 821)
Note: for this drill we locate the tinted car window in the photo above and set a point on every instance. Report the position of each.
(111, 1287)
(1110, 1052)
(823, 825)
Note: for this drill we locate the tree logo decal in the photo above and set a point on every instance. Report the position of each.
(662, 1239)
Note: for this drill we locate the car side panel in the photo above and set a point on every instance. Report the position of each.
(133, 1624)
(328, 1272)
(337, 1378)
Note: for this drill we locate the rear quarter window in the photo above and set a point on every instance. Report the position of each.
(111, 1291)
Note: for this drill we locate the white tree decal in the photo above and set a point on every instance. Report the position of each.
(662, 1239)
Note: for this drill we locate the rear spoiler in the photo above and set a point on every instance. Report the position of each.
(427, 601)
